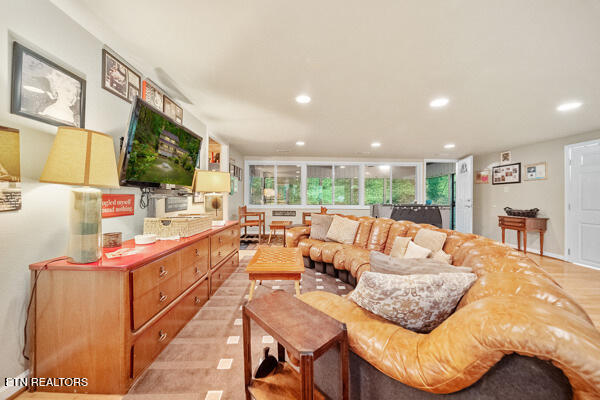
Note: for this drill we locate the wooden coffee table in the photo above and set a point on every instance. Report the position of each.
(274, 263)
(306, 333)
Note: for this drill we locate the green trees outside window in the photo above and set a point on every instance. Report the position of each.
(438, 190)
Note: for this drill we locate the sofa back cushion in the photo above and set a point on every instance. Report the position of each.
(320, 226)
(342, 230)
(398, 228)
(416, 302)
(364, 231)
(379, 234)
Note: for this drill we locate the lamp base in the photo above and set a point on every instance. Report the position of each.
(85, 223)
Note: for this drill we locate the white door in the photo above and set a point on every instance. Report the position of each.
(582, 185)
(464, 195)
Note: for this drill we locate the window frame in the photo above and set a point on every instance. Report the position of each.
(419, 182)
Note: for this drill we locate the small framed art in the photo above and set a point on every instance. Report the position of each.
(119, 79)
(483, 177)
(153, 95)
(44, 91)
(504, 174)
(536, 172)
(172, 110)
(505, 157)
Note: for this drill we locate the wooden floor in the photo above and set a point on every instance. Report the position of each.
(581, 282)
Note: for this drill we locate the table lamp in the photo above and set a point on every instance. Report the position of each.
(211, 182)
(85, 158)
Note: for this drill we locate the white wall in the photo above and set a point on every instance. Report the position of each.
(39, 230)
(547, 195)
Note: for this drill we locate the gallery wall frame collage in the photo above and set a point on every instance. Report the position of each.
(508, 172)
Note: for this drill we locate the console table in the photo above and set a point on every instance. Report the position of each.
(523, 224)
(107, 321)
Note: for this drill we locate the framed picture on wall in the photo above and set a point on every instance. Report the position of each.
(44, 91)
(483, 177)
(119, 79)
(152, 95)
(504, 174)
(505, 157)
(536, 172)
(172, 110)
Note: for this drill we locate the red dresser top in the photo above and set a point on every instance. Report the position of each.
(146, 253)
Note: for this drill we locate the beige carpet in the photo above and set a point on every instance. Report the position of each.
(205, 360)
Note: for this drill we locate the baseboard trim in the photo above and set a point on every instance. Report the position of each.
(11, 392)
(537, 251)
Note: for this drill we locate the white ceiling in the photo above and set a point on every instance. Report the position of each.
(371, 69)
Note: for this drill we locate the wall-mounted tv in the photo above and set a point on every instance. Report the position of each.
(159, 151)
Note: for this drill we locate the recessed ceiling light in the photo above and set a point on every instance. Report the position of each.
(375, 144)
(449, 146)
(571, 105)
(303, 99)
(439, 102)
(299, 143)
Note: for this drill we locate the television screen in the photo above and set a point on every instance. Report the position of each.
(159, 151)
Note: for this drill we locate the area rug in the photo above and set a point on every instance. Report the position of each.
(205, 360)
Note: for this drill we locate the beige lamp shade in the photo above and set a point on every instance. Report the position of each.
(81, 157)
(211, 181)
(10, 159)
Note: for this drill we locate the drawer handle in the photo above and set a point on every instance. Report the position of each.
(219, 253)
(197, 253)
(220, 240)
(196, 300)
(197, 270)
(163, 271)
(162, 297)
(162, 336)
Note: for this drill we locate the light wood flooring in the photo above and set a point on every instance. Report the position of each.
(581, 282)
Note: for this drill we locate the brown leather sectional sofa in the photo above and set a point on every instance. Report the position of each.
(515, 334)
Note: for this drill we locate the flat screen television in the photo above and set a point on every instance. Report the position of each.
(159, 151)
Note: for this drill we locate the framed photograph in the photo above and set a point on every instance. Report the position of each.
(119, 79)
(504, 174)
(173, 110)
(152, 95)
(536, 172)
(44, 91)
(505, 157)
(482, 177)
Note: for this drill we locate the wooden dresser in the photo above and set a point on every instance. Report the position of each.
(107, 321)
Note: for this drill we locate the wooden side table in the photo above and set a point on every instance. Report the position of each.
(276, 225)
(306, 333)
(523, 224)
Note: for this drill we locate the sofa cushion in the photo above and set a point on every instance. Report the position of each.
(342, 230)
(400, 246)
(430, 239)
(398, 228)
(379, 234)
(415, 251)
(416, 302)
(328, 251)
(363, 232)
(385, 264)
(442, 256)
(320, 225)
(305, 244)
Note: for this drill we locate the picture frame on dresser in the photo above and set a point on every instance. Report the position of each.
(45, 91)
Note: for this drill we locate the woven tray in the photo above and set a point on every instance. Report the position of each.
(176, 226)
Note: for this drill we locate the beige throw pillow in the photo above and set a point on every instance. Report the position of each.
(399, 246)
(432, 240)
(416, 302)
(415, 251)
(342, 230)
(385, 264)
(442, 256)
(320, 224)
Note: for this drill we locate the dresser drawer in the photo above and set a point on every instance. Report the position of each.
(193, 302)
(195, 253)
(222, 272)
(157, 298)
(223, 244)
(190, 275)
(149, 276)
(512, 222)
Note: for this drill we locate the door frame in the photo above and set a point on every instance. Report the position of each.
(567, 164)
(452, 194)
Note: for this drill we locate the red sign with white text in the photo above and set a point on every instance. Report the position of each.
(117, 205)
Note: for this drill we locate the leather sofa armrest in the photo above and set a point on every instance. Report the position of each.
(294, 235)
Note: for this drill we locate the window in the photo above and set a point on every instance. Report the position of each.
(346, 184)
(403, 184)
(318, 184)
(377, 184)
(262, 184)
(288, 184)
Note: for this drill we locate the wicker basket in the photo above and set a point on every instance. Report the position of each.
(176, 226)
(532, 213)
